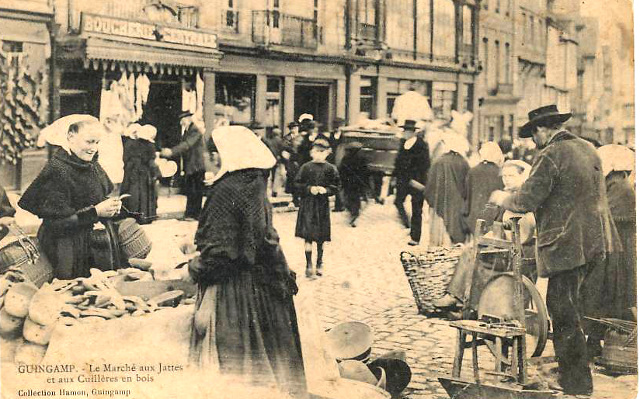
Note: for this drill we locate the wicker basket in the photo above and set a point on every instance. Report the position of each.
(22, 252)
(429, 273)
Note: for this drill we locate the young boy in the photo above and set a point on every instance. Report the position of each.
(316, 181)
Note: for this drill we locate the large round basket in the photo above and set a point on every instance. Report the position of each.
(429, 272)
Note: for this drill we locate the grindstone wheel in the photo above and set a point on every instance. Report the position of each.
(496, 300)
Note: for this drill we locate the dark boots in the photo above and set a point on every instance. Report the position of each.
(309, 255)
(309, 271)
(319, 260)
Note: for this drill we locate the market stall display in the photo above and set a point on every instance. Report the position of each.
(29, 315)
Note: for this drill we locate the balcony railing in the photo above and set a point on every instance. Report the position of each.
(182, 15)
(230, 21)
(367, 31)
(273, 27)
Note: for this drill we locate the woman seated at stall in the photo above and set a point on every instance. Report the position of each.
(514, 174)
(70, 195)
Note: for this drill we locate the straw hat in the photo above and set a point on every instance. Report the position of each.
(350, 340)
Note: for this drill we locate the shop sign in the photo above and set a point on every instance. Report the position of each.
(141, 30)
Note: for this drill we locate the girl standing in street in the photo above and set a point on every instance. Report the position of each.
(316, 181)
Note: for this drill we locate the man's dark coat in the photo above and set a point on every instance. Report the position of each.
(567, 193)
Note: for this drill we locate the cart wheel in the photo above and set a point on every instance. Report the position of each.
(495, 300)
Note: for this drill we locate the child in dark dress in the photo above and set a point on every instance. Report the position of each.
(316, 181)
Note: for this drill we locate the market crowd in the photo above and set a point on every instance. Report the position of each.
(576, 202)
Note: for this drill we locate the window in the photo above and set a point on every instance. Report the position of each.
(485, 58)
(497, 6)
(507, 11)
(467, 97)
(494, 127)
(367, 96)
(13, 52)
(424, 26)
(396, 87)
(276, 13)
(507, 63)
(236, 95)
(444, 96)
(541, 33)
(366, 11)
(532, 32)
(230, 18)
(444, 29)
(467, 26)
(274, 100)
(497, 65)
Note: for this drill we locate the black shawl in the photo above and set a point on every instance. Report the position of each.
(235, 234)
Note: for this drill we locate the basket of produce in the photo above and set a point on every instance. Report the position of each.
(429, 272)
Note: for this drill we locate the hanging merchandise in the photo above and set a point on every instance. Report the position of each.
(142, 85)
(189, 100)
(21, 106)
(131, 92)
(109, 104)
(122, 90)
(199, 96)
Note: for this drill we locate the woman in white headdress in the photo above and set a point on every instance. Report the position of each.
(482, 180)
(610, 291)
(245, 323)
(140, 171)
(445, 192)
(71, 196)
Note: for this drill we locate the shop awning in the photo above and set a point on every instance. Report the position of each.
(99, 51)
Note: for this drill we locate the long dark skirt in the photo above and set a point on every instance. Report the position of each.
(140, 182)
(247, 331)
(314, 219)
(609, 290)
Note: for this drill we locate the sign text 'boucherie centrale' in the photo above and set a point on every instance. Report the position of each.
(148, 31)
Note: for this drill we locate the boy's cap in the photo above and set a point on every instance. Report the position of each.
(321, 143)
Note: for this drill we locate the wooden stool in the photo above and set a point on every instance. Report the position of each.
(501, 333)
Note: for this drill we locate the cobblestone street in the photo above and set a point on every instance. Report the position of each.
(364, 281)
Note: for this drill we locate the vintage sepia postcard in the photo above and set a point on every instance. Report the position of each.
(318, 199)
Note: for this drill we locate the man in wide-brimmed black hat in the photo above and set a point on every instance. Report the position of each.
(566, 191)
(190, 151)
(412, 163)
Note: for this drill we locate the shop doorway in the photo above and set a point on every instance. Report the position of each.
(162, 109)
(313, 98)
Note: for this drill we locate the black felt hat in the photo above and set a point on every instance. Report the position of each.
(409, 124)
(184, 114)
(398, 372)
(548, 115)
